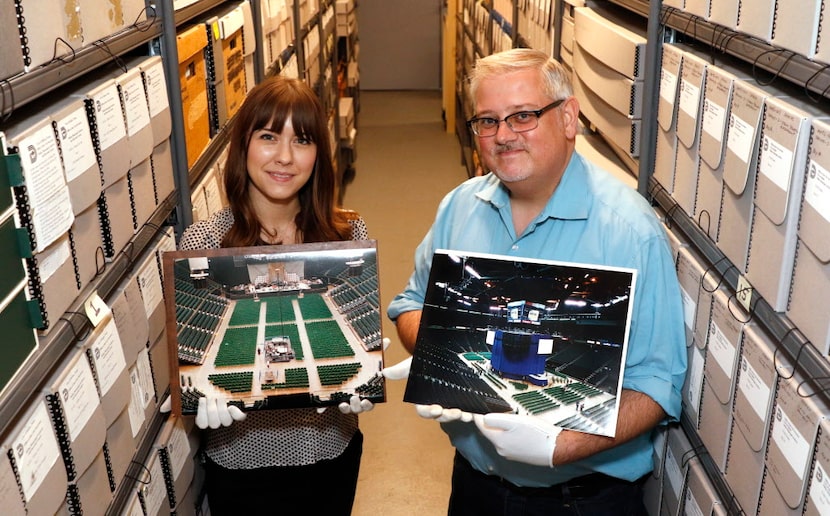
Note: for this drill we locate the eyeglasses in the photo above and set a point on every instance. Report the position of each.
(519, 122)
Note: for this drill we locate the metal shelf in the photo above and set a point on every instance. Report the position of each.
(25, 387)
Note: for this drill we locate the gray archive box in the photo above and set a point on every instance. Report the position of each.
(679, 456)
(667, 107)
(810, 292)
(10, 498)
(700, 496)
(83, 176)
(756, 18)
(88, 238)
(690, 102)
(782, 160)
(818, 492)
(106, 355)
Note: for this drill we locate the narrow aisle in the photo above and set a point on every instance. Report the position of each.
(406, 162)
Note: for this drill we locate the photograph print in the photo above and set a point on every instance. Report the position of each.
(274, 327)
(507, 334)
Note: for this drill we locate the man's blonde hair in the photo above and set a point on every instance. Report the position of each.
(557, 84)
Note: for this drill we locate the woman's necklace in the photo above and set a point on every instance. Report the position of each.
(273, 236)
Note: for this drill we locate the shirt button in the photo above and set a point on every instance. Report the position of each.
(491, 468)
(515, 246)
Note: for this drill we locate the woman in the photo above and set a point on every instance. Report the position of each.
(281, 189)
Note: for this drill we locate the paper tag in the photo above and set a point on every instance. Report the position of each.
(155, 492)
(156, 89)
(743, 293)
(689, 308)
(754, 389)
(149, 280)
(689, 98)
(76, 143)
(714, 117)
(721, 349)
(108, 356)
(108, 117)
(673, 471)
(817, 189)
(741, 138)
(695, 379)
(793, 445)
(668, 86)
(820, 489)
(135, 105)
(776, 162)
(79, 397)
(35, 451)
(95, 308)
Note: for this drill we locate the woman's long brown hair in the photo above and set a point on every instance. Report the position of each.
(267, 106)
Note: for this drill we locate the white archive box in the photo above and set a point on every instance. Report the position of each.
(142, 195)
(720, 371)
(88, 240)
(83, 176)
(612, 38)
(782, 159)
(690, 103)
(102, 19)
(724, 12)
(136, 115)
(653, 486)
(700, 496)
(810, 292)
(756, 18)
(623, 94)
(106, 355)
(701, 8)
(622, 132)
(798, 29)
(116, 216)
(48, 24)
(754, 399)
(717, 99)
(797, 415)
(740, 163)
(679, 456)
(34, 452)
(818, 492)
(93, 489)
(77, 416)
(131, 323)
(152, 71)
(667, 107)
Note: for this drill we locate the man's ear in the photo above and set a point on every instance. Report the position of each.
(570, 117)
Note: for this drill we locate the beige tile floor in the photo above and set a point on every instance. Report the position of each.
(405, 164)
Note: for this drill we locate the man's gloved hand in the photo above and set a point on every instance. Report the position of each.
(443, 415)
(166, 405)
(520, 438)
(214, 412)
(398, 371)
(356, 405)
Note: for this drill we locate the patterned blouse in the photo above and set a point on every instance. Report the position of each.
(267, 438)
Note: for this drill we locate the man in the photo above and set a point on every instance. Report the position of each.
(543, 200)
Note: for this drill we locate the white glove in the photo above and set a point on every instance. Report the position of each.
(398, 371)
(166, 405)
(213, 413)
(520, 438)
(443, 415)
(356, 405)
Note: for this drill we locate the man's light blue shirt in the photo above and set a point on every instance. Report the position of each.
(592, 218)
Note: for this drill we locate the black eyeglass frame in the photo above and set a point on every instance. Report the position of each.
(537, 112)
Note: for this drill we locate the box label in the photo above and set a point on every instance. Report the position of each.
(754, 389)
(714, 117)
(76, 144)
(35, 451)
(689, 98)
(721, 349)
(108, 357)
(79, 397)
(776, 162)
(741, 137)
(820, 489)
(793, 445)
(817, 189)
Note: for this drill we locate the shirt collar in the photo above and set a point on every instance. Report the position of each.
(571, 200)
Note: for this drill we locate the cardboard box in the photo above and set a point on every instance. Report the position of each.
(623, 132)
(10, 498)
(176, 448)
(567, 37)
(623, 94)
(191, 43)
(160, 362)
(94, 487)
(152, 70)
(782, 160)
(55, 280)
(44, 22)
(83, 177)
(142, 195)
(121, 447)
(100, 20)
(617, 41)
(136, 115)
(724, 12)
(142, 406)
(36, 456)
(699, 8)
(231, 27)
(717, 99)
(248, 44)
(653, 487)
(690, 101)
(106, 355)
(78, 417)
(809, 297)
(740, 163)
(109, 130)
(161, 162)
(11, 53)
(150, 285)
(131, 323)
(667, 107)
(757, 17)
(153, 493)
(87, 236)
(721, 372)
(700, 496)
(796, 421)
(798, 29)
(116, 219)
(679, 456)
(818, 492)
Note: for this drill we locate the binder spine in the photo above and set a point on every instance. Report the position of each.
(774, 19)
(35, 284)
(155, 183)
(131, 190)
(820, 24)
(96, 141)
(210, 71)
(21, 28)
(110, 472)
(73, 247)
(16, 472)
(58, 421)
(164, 457)
(106, 227)
(73, 500)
